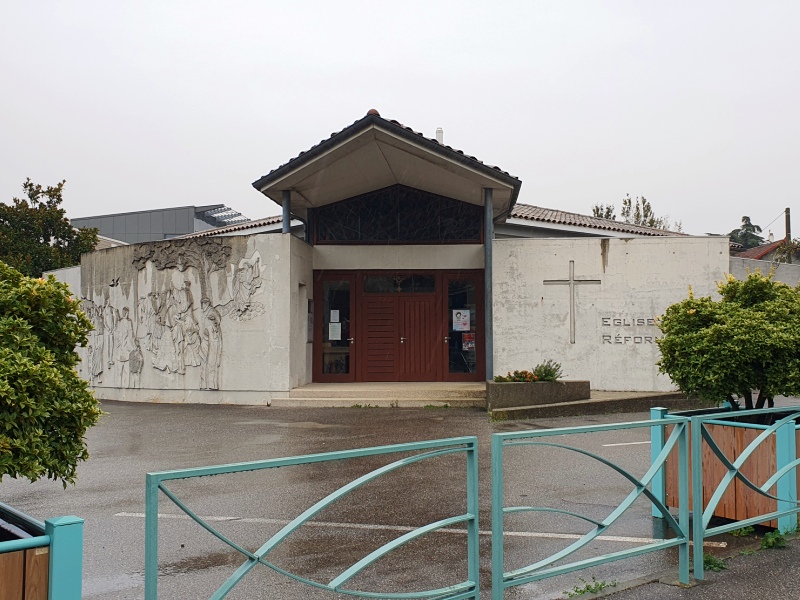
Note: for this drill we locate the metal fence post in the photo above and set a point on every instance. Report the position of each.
(785, 453)
(698, 529)
(66, 558)
(683, 502)
(473, 541)
(151, 538)
(497, 517)
(659, 484)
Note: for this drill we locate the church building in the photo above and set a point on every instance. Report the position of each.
(396, 259)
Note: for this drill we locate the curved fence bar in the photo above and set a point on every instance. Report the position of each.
(468, 589)
(502, 580)
(724, 446)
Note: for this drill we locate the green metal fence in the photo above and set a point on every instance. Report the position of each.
(63, 536)
(784, 479)
(544, 568)
(467, 589)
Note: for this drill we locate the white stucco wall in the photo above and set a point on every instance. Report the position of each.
(302, 290)
(614, 330)
(161, 285)
(463, 256)
(69, 275)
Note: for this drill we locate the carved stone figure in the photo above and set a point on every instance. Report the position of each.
(210, 347)
(124, 340)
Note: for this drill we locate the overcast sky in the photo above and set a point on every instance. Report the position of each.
(143, 105)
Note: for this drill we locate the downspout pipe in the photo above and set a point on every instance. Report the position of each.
(488, 236)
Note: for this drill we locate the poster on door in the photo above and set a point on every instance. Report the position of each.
(468, 342)
(461, 320)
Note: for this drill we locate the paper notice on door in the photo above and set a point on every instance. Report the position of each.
(334, 316)
(461, 320)
(468, 341)
(334, 331)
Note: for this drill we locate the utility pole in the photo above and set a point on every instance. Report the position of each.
(788, 235)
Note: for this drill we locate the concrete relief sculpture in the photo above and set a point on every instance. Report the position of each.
(172, 333)
(244, 281)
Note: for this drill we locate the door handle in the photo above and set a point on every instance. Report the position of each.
(352, 341)
(403, 340)
(446, 339)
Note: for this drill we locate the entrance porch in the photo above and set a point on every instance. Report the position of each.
(387, 394)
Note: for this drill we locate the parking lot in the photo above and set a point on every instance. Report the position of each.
(133, 439)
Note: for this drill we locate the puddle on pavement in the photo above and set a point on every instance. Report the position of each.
(298, 425)
(198, 563)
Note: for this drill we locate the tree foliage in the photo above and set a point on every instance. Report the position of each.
(636, 212)
(45, 407)
(36, 236)
(604, 211)
(726, 349)
(747, 234)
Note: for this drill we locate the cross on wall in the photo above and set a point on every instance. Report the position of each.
(571, 282)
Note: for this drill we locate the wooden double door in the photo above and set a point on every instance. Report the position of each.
(398, 326)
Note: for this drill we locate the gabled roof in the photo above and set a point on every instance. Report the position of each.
(374, 153)
(560, 217)
(759, 252)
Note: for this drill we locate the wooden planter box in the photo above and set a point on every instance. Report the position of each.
(511, 395)
(33, 553)
(739, 502)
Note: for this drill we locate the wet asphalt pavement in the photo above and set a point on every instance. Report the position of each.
(133, 439)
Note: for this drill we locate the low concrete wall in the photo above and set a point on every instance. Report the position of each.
(513, 394)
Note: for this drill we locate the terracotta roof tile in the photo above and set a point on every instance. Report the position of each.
(238, 227)
(560, 217)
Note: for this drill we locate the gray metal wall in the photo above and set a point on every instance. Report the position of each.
(144, 226)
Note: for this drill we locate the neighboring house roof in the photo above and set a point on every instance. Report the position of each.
(760, 252)
(560, 217)
(526, 212)
(106, 242)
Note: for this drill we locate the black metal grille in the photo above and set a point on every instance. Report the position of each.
(399, 215)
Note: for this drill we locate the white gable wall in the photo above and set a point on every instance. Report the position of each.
(614, 329)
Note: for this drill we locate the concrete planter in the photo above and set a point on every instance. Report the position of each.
(511, 395)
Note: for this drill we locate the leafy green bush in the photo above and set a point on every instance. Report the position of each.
(549, 370)
(45, 407)
(726, 349)
(546, 371)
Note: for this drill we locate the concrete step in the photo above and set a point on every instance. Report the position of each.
(475, 391)
(605, 403)
(381, 401)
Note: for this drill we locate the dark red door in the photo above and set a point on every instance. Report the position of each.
(379, 344)
(420, 331)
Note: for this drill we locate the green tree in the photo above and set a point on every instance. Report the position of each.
(728, 349)
(36, 236)
(747, 234)
(604, 211)
(45, 407)
(636, 212)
